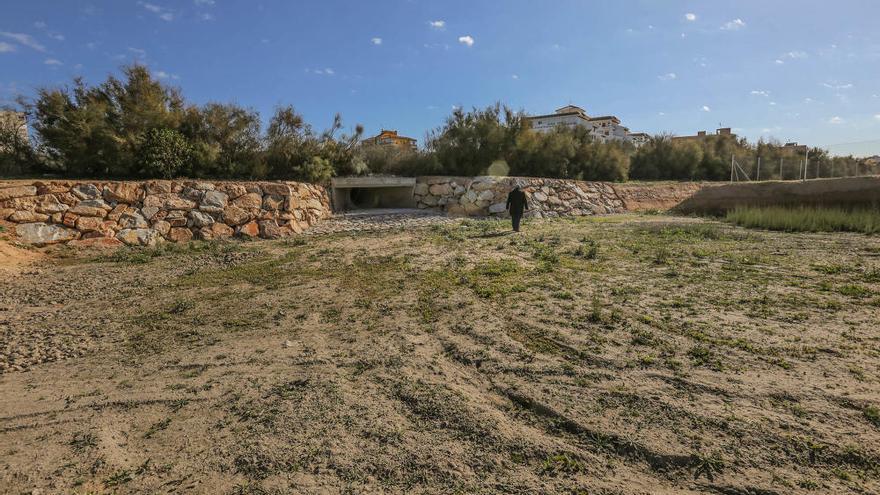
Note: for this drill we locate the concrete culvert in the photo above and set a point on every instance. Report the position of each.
(364, 193)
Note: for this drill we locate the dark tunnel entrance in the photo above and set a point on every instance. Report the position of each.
(366, 193)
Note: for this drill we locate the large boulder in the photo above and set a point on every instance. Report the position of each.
(420, 189)
(91, 208)
(498, 208)
(179, 234)
(139, 237)
(250, 229)
(273, 202)
(269, 229)
(123, 192)
(214, 201)
(86, 191)
(49, 205)
(40, 234)
(89, 224)
(440, 189)
(199, 219)
(169, 201)
(133, 221)
(276, 189)
(249, 201)
(233, 190)
(234, 215)
(27, 216)
(17, 192)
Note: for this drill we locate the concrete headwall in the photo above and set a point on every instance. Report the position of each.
(144, 213)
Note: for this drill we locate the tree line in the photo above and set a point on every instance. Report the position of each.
(135, 126)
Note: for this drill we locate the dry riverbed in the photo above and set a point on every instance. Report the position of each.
(603, 355)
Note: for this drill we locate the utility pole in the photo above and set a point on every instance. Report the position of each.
(780, 169)
(758, 178)
(731, 167)
(806, 163)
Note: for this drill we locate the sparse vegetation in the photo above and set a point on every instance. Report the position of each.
(808, 219)
(579, 354)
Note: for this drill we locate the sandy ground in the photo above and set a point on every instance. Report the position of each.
(14, 258)
(612, 355)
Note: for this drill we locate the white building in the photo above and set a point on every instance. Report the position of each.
(603, 129)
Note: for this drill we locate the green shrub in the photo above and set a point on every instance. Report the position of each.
(164, 153)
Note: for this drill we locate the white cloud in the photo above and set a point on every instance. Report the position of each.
(779, 61)
(668, 77)
(6, 47)
(466, 40)
(40, 25)
(322, 72)
(164, 75)
(808, 100)
(796, 55)
(877, 116)
(838, 87)
(733, 25)
(329, 71)
(57, 36)
(706, 108)
(376, 41)
(206, 16)
(835, 120)
(690, 17)
(52, 61)
(514, 76)
(760, 92)
(772, 103)
(138, 52)
(24, 39)
(208, 3)
(163, 13)
(661, 114)
(437, 24)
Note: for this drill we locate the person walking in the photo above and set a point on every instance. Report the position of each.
(516, 203)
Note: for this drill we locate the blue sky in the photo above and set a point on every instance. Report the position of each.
(804, 70)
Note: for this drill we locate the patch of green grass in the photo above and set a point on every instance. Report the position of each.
(83, 441)
(708, 466)
(587, 249)
(872, 414)
(807, 219)
(495, 278)
(157, 427)
(142, 255)
(120, 477)
(561, 464)
(703, 356)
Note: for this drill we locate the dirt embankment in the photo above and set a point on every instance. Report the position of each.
(656, 196)
(850, 191)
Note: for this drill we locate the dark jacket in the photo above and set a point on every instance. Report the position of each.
(516, 202)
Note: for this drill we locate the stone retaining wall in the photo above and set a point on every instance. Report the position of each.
(144, 213)
(487, 196)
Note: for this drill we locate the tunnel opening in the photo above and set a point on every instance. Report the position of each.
(369, 193)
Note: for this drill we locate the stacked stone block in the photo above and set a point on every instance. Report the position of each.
(146, 213)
